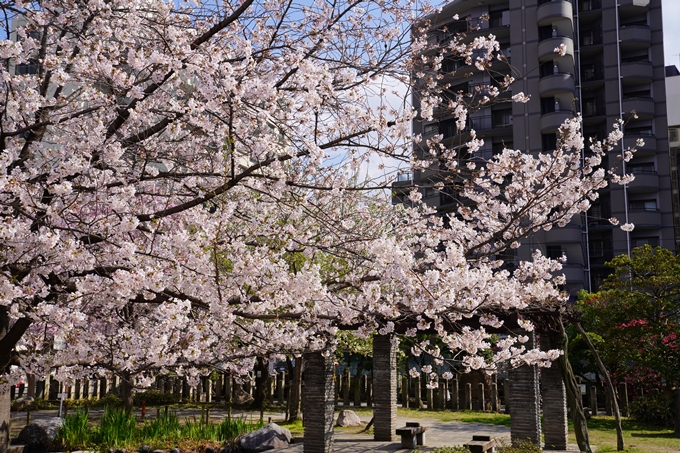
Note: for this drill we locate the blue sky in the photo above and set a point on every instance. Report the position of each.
(671, 31)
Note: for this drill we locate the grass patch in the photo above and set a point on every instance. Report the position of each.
(119, 429)
(638, 437)
(492, 418)
(295, 427)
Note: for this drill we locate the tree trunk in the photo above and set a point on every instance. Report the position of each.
(261, 384)
(558, 340)
(295, 391)
(5, 400)
(30, 385)
(356, 383)
(610, 387)
(126, 391)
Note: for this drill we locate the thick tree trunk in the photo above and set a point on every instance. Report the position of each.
(295, 391)
(261, 384)
(610, 387)
(126, 391)
(558, 340)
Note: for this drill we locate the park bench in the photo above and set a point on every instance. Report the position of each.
(412, 435)
(481, 444)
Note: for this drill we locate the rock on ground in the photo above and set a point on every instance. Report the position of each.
(40, 432)
(348, 418)
(268, 437)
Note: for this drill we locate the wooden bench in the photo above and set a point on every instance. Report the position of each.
(412, 435)
(481, 444)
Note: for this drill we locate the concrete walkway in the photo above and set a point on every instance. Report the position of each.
(440, 434)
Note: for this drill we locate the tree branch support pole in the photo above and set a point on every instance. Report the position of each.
(559, 340)
(610, 388)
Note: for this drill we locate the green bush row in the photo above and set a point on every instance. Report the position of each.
(655, 409)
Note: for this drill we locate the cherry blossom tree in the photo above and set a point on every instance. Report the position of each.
(180, 190)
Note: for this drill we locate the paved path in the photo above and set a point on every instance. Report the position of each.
(439, 434)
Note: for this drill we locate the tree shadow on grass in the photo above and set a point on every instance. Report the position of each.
(667, 435)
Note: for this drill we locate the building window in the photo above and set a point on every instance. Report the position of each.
(545, 32)
(646, 167)
(589, 5)
(431, 129)
(549, 142)
(672, 135)
(645, 131)
(596, 249)
(593, 106)
(642, 205)
(26, 68)
(554, 251)
(548, 68)
(592, 71)
(452, 64)
(502, 118)
(639, 242)
(547, 105)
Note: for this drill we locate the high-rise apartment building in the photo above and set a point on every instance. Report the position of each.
(614, 65)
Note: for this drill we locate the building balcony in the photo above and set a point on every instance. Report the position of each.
(547, 12)
(550, 122)
(630, 141)
(637, 72)
(633, 4)
(492, 125)
(573, 272)
(643, 107)
(644, 182)
(570, 234)
(546, 48)
(556, 83)
(644, 218)
(635, 37)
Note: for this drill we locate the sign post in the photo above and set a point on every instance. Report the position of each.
(61, 397)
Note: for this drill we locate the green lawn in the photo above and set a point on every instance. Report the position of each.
(637, 437)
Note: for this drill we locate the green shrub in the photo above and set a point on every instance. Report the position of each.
(655, 409)
(155, 398)
(523, 446)
(41, 405)
(109, 400)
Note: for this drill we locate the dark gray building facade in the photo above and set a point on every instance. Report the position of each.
(614, 65)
